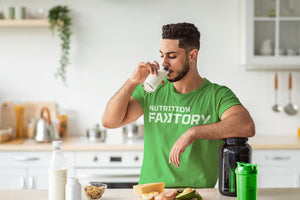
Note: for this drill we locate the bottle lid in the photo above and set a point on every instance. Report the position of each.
(73, 179)
(235, 140)
(246, 168)
(57, 145)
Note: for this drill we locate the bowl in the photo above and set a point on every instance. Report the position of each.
(133, 131)
(93, 190)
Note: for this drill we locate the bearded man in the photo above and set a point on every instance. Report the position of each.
(185, 118)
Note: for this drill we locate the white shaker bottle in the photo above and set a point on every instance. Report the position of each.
(152, 81)
(73, 189)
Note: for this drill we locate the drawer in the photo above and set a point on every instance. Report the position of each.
(276, 157)
(25, 159)
(30, 159)
(109, 159)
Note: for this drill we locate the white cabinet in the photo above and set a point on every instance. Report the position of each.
(277, 168)
(12, 178)
(118, 169)
(37, 178)
(272, 34)
(27, 170)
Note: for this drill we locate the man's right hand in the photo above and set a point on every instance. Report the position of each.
(122, 108)
(143, 70)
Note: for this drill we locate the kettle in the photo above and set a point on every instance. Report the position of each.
(45, 130)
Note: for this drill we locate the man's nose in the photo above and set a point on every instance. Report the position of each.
(164, 62)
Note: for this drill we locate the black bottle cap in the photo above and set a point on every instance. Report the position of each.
(235, 140)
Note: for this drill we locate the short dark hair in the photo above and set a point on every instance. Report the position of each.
(187, 34)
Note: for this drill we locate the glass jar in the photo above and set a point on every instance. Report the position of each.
(30, 128)
(62, 126)
(231, 151)
(20, 124)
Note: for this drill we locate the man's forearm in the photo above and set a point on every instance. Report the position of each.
(238, 125)
(116, 108)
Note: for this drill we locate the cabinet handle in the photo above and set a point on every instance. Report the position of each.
(30, 182)
(22, 182)
(95, 159)
(24, 158)
(136, 158)
(278, 158)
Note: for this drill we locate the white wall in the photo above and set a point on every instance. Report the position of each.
(111, 36)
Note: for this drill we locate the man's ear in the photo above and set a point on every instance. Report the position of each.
(193, 55)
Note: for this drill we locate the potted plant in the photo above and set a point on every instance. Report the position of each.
(60, 21)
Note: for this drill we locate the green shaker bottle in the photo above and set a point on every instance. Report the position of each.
(246, 181)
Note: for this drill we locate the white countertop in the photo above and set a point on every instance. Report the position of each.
(275, 142)
(112, 144)
(75, 144)
(128, 194)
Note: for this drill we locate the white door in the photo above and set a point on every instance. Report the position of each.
(12, 178)
(277, 177)
(37, 178)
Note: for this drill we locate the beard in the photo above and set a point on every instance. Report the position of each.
(182, 73)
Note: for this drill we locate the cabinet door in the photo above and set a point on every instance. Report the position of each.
(277, 177)
(12, 178)
(277, 168)
(272, 34)
(37, 178)
(28, 170)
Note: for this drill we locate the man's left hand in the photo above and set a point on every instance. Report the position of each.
(179, 147)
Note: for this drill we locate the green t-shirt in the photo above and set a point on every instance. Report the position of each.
(167, 115)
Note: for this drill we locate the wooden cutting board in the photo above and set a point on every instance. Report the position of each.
(8, 115)
(15, 141)
(32, 110)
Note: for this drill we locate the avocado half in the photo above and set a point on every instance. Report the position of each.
(189, 195)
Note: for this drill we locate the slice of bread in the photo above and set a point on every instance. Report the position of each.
(149, 187)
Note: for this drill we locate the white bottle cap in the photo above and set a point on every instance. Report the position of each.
(73, 179)
(57, 145)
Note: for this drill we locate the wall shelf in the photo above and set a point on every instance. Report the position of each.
(23, 22)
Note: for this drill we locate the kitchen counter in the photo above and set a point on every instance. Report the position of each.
(275, 142)
(128, 194)
(83, 144)
(76, 144)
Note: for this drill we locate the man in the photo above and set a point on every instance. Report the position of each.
(184, 119)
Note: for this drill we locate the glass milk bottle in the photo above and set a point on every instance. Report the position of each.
(57, 173)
